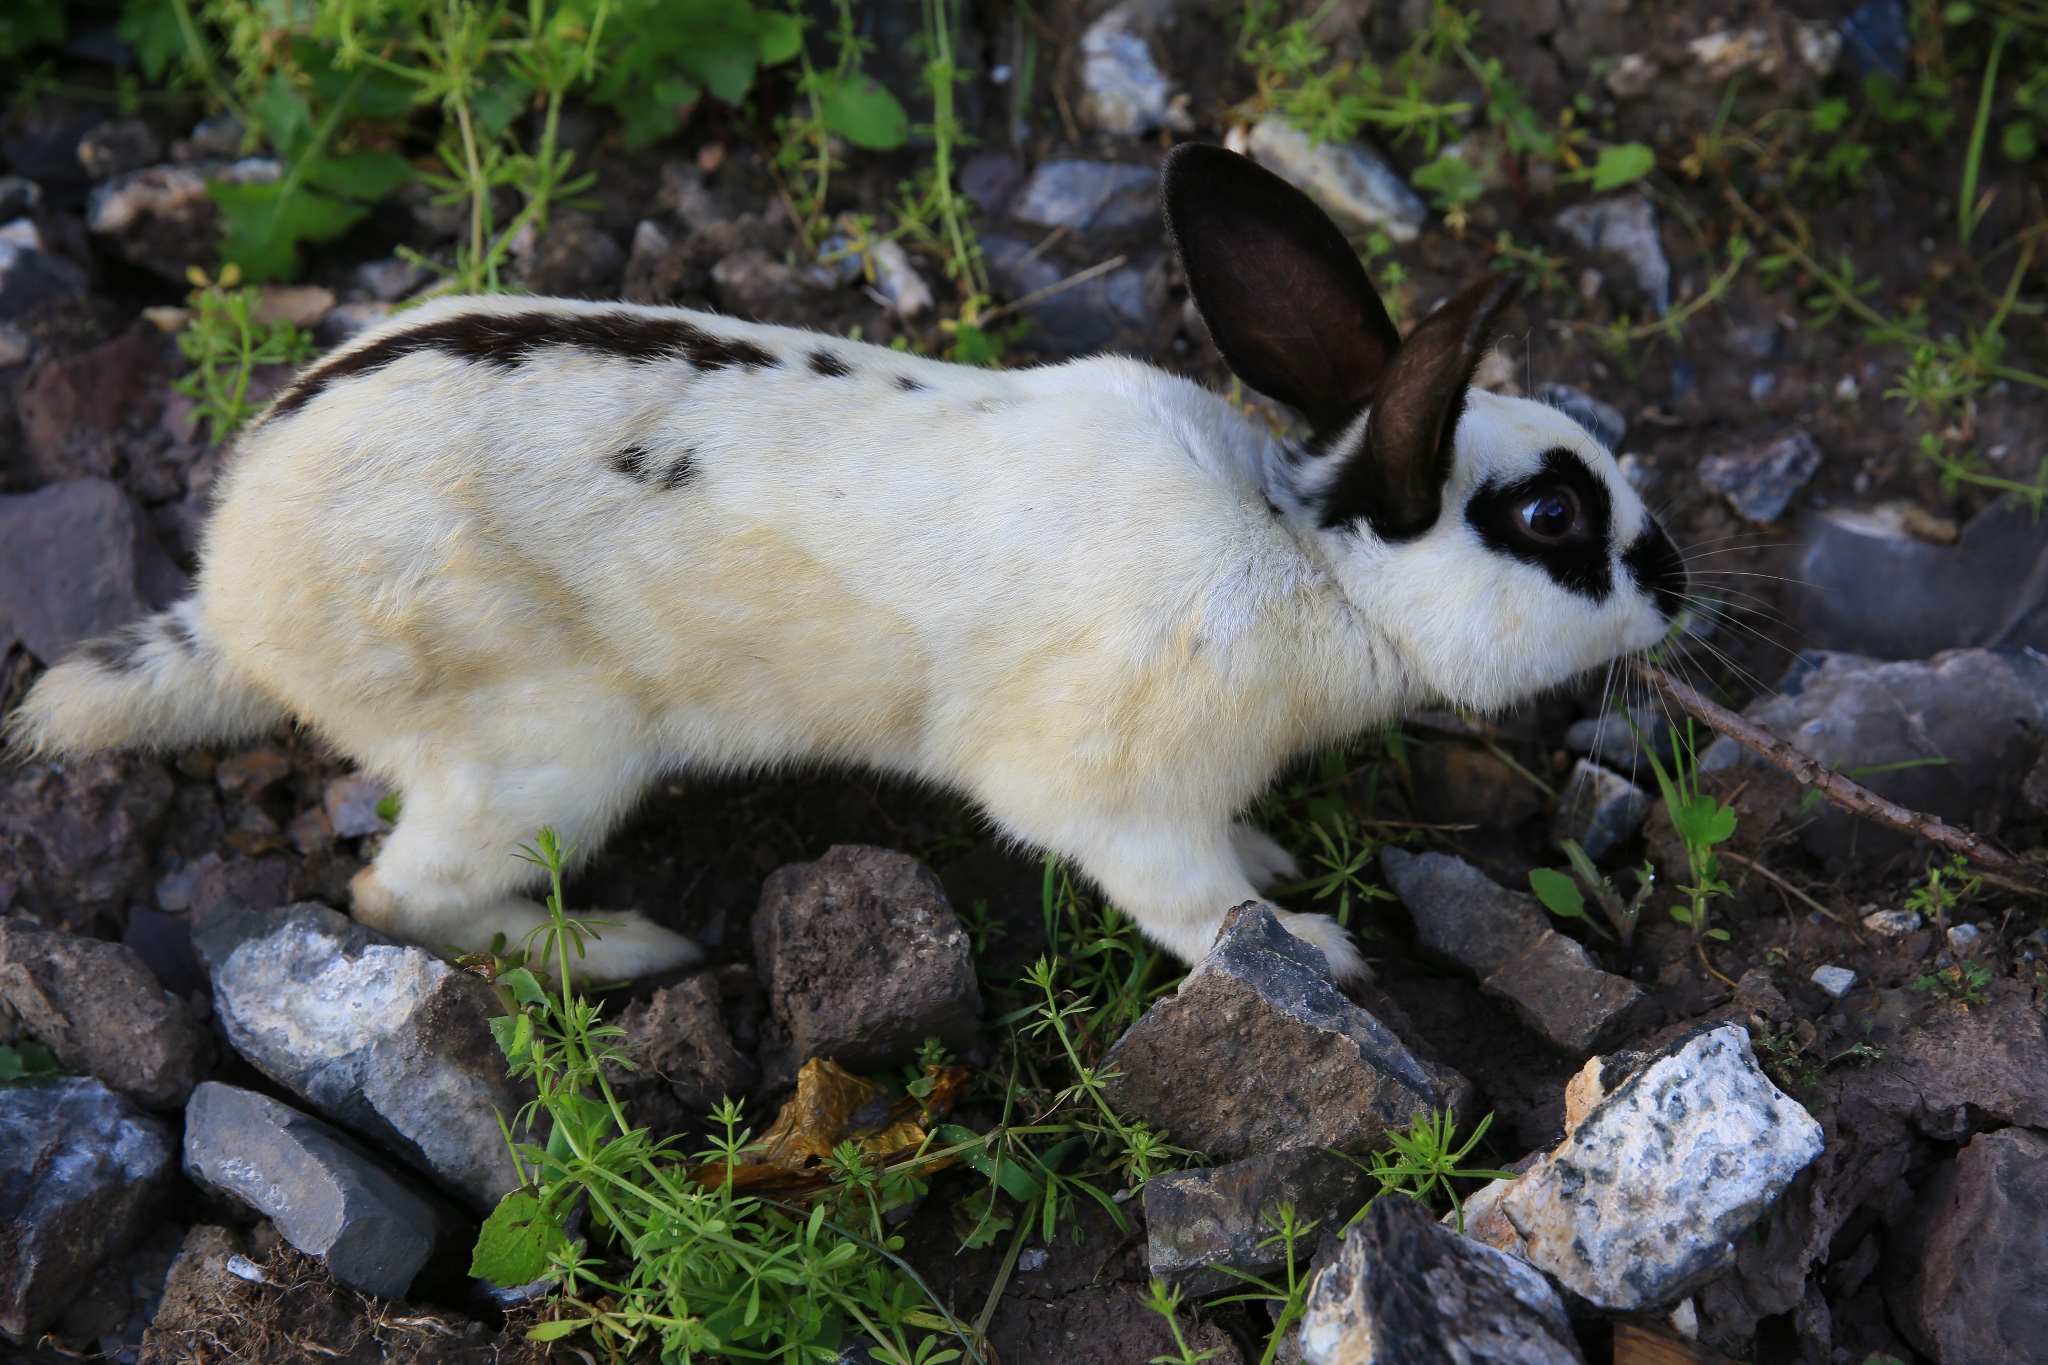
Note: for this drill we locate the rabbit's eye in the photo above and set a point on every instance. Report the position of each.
(1551, 515)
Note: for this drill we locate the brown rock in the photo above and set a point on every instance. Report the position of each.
(76, 408)
(1981, 1294)
(99, 1010)
(678, 1038)
(77, 559)
(71, 837)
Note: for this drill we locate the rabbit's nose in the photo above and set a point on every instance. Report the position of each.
(1658, 569)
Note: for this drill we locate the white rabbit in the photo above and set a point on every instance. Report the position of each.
(521, 558)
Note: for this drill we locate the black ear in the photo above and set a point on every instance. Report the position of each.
(1395, 479)
(1283, 294)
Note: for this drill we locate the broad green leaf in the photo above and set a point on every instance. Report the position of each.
(388, 808)
(284, 115)
(863, 112)
(150, 28)
(261, 233)
(27, 24)
(556, 1330)
(780, 37)
(1622, 164)
(524, 985)
(367, 175)
(1704, 821)
(513, 1246)
(1558, 892)
(25, 1061)
(1450, 180)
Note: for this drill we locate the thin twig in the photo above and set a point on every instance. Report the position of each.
(1787, 887)
(1845, 792)
(1078, 277)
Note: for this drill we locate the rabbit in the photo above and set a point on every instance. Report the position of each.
(522, 558)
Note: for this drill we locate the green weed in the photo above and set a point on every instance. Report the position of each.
(1285, 1299)
(26, 1060)
(1702, 821)
(1965, 984)
(1562, 896)
(1948, 887)
(1424, 1161)
(225, 344)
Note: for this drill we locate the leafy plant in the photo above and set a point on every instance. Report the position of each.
(225, 344)
(1702, 820)
(1948, 887)
(1426, 1159)
(1963, 983)
(1308, 815)
(1285, 1299)
(26, 1060)
(1166, 1303)
(1561, 895)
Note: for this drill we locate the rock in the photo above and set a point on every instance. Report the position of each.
(678, 1039)
(83, 413)
(1093, 314)
(1351, 181)
(1967, 939)
(1088, 196)
(391, 279)
(1603, 420)
(118, 146)
(863, 959)
(1970, 711)
(1866, 584)
(1408, 1291)
(989, 178)
(756, 285)
(1891, 923)
(15, 345)
(1726, 52)
(163, 943)
(382, 1037)
(1609, 738)
(1876, 40)
(99, 1010)
(18, 195)
(72, 837)
(345, 320)
(218, 136)
(897, 280)
(161, 217)
(1624, 226)
(1213, 1216)
(1257, 1052)
(1124, 93)
(1643, 1201)
(698, 207)
(302, 305)
(327, 1197)
(80, 1172)
(1836, 981)
(1504, 938)
(30, 278)
(574, 258)
(78, 559)
(1979, 1291)
(351, 805)
(1761, 480)
(1600, 809)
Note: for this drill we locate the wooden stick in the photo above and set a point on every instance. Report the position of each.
(1845, 792)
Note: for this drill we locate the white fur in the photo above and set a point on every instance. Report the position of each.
(1060, 591)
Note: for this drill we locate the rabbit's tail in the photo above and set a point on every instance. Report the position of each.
(157, 684)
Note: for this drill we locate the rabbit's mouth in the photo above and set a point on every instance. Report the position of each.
(1658, 569)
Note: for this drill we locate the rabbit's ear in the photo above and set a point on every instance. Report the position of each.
(1394, 479)
(1283, 294)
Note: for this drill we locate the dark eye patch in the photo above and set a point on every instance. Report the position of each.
(1658, 569)
(1578, 561)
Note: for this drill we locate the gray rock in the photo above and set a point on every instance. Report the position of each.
(1624, 226)
(1257, 1052)
(1599, 808)
(678, 1039)
(1123, 91)
(864, 959)
(696, 206)
(989, 178)
(1608, 739)
(1866, 586)
(219, 136)
(326, 1196)
(1644, 1200)
(80, 1171)
(99, 1010)
(76, 833)
(78, 559)
(18, 195)
(1603, 420)
(1350, 180)
(1761, 480)
(1504, 938)
(1877, 40)
(117, 146)
(382, 1037)
(161, 218)
(1083, 317)
(1891, 923)
(1980, 1289)
(1836, 981)
(1408, 1291)
(31, 277)
(1967, 715)
(86, 413)
(1200, 1219)
(391, 279)
(351, 806)
(1088, 196)
(346, 320)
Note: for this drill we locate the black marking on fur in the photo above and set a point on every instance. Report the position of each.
(179, 633)
(680, 471)
(120, 652)
(639, 464)
(507, 340)
(1578, 563)
(1658, 569)
(633, 462)
(908, 385)
(829, 365)
(1273, 508)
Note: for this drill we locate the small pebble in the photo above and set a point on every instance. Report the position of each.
(1965, 938)
(1031, 1260)
(1836, 981)
(242, 1268)
(1891, 923)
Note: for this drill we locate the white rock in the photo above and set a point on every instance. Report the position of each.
(1891, 923)
(1965, 938)
(1836, 981)
(1348, 179)
(1644, 1200)
(1633, 75)
(1123, 90)
(1624, 225)
(897, 280)
(1717, 56)
(22, 232)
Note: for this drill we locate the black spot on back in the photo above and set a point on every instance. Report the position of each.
(680, 471)
(640, 465)
(1578, 564)
(829, 365)
(120, 652)
(632, 462)
(506, 340)
(1658, 569)
(908, 385)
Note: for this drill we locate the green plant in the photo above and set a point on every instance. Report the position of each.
(1702, 820)
(1309, 815)
(1561, 895)
(26, 1060)
(838, 100)
(1286, 1299)
(1963, 983)
(1426, 1159)
(225, 344)
(1166, 1303)
(677, 1258)
(1948, 887)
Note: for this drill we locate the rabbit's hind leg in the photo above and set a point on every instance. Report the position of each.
(449, 874)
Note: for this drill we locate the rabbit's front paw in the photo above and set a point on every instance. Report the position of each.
(1265, 863)
(1346, 964)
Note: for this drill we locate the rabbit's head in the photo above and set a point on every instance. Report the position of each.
(1493, 540)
